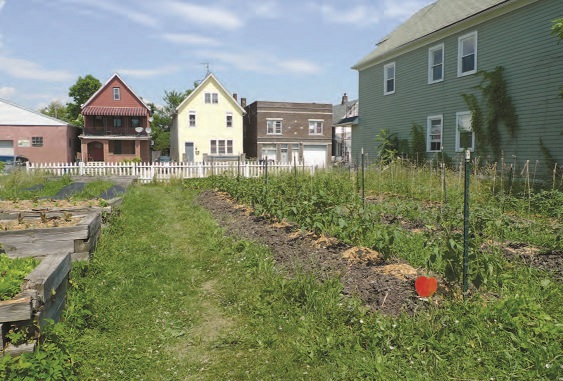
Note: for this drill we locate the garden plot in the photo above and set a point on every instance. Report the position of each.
(43, 297)
(41, 234)
(386, 286)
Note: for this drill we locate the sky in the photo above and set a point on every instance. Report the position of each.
(267, 50)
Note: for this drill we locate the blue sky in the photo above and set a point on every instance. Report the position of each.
(272, 50)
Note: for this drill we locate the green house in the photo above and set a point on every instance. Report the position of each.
(418, 74)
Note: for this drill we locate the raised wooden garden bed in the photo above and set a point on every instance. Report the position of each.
(78, 239)
(43, 297)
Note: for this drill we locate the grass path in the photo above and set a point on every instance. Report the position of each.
(170, 298)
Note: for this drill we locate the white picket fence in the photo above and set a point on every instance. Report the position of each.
(147, 172)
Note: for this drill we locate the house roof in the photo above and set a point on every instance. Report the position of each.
(197, 90)
(351, 120)
(339, 111)
(14, 115)
(428, 20)
(105, 85)
(117, 111)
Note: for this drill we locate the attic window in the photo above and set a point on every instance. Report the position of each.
(212, 98)
(116, 94)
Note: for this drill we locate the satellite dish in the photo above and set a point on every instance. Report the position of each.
(148, 130)
(151, 119)
(139, 129)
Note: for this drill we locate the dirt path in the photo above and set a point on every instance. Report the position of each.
(383, 286)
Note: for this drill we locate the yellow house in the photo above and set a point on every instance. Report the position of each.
(207, 125)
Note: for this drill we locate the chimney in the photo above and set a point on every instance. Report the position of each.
(235, 95)
(243, 102)
(344, 99)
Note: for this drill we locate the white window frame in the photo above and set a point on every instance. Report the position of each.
(432, 64)
(428, 132)
(314, 124)
(190, 114)
(458, 146)
(211, 98)
(116, 94)
(227, 145)
(460, 41)
(271, 124)
(229, 120)
(386, 78)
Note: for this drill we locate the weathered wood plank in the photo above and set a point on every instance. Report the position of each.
(48, 275)
(16, 350)
(16, 309)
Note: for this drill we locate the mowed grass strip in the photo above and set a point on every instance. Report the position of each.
(172, 298)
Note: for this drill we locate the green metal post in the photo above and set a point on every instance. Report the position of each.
(363, 182)
(466, 223)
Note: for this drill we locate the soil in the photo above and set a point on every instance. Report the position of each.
(38, 205)
(38, 223)
(385, 286)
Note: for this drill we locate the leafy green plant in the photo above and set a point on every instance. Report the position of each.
(12, 273)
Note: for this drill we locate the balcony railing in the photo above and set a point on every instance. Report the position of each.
(117, 131)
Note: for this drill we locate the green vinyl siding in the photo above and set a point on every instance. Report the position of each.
(520, 41)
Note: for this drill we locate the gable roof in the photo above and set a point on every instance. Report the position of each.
(105, 85)
(428, 20)
(210, 78)
(340, 111)
(15, 115)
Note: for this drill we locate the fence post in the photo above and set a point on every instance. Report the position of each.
(81, 168)
(363, 182)
(466, 224)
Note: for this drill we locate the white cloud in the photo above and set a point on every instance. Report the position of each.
(20, 68)
(262, 63)
(190, 39)
(267, 9)
(2, 3)
(202, 15)
(300, 66)
(143, 18)
(148, 73)
(7, 92)
(359, 15)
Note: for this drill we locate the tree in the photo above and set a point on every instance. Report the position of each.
(56, 109)
(162, 118)
(80, 92)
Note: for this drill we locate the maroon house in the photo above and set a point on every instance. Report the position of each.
(116, 125)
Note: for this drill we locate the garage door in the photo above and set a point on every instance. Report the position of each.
(314, 155)
(6, 148)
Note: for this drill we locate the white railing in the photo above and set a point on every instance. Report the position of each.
(147, 172)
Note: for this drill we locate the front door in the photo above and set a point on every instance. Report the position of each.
(190, 157)
(95, 151)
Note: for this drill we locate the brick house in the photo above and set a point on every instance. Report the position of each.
(287, 131)
(38, 137)
(116, 124)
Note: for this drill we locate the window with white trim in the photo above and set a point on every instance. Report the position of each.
(436, 64)
(221, 147)
(434, 133)
(274, 126)
(191, 119)
(464, 135)
(212, 98)
(229, 120)
(467, 54)
(116, 94)
(315, 127)
(37, 141)
(389, 78)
